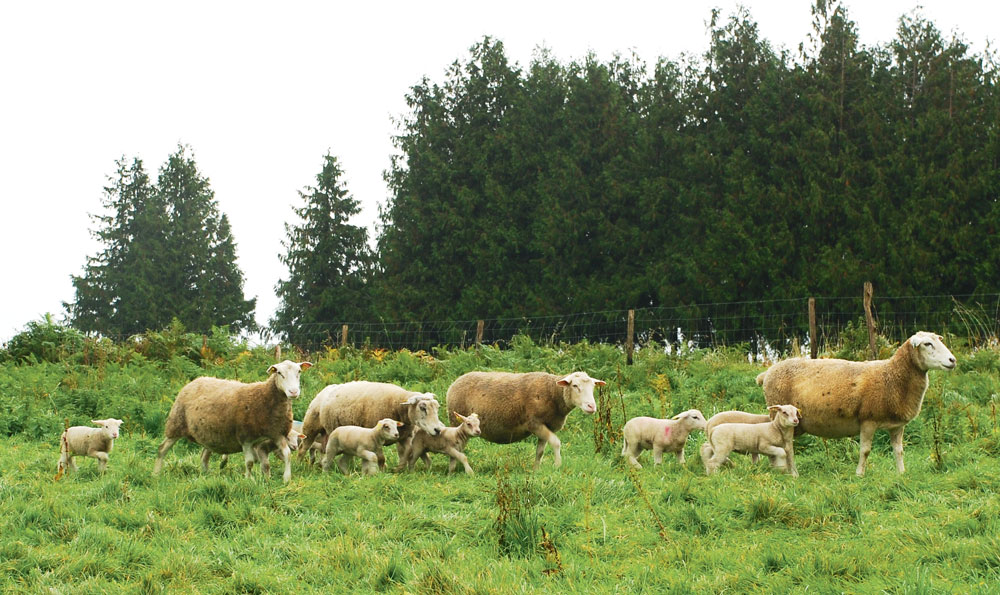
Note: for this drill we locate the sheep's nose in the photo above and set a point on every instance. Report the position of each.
(437, 431)
(951, 359)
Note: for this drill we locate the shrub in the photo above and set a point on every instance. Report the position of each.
(44, 340)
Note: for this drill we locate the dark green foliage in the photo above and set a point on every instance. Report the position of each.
(329, 264)
(43, 340)
(168, 254)
(747, 174)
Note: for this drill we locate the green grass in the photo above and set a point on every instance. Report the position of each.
(590, 526)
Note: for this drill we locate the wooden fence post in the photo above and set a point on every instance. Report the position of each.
(813, 344)
(479, 333)
(343, 336)
(277, 353)
(868, 291)
(630, 338)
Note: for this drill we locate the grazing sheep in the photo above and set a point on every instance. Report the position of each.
(226, 416)
(773, 439)
(362, 403)
(365, 443)
(670, 435)
(515, 406)
(730, 417)
(88, 442)
(841, 398)
(451, 442)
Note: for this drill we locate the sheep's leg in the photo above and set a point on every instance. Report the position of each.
(680, 456)
(343, 463)
(790, 457)
(547, 436)
(285, 452)
(896, 438)
(205, 456)
(706, 453)
(329, 452)
(780, 457)
(102, 460)
(248, 458)
(657, 455)
(754, 457)
(62, 462)
(72, 463)
(164, 447)
(223, 460)
(631, 453)
(718, 458)
(263, 457)
(306, 446)
(369, 465)
(867, 431)
(427, 461)
(457, 455)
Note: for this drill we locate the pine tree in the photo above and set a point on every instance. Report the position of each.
(329, 264)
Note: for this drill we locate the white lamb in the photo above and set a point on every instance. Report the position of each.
(660, 435)
(451, 442)
(364, 443)
(773, 439)
(87, 441)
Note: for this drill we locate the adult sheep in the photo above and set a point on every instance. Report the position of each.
(839, 398)
(363, 403)
(227, 416)
(515, 406)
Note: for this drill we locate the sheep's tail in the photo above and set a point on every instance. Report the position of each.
(760, 378)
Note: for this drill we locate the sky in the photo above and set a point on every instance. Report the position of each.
(262, 91)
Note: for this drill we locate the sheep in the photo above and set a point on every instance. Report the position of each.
(773, 439)
(89, 442)
(365, 443)
(362, 403)
(451, 442)
(227, 416)
(727, 417)
(514, 406)
(670, 435)
(261, 452)
(840, 398)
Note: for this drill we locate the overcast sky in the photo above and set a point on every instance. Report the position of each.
(261, 92)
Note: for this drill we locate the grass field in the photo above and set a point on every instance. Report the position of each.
(591, 526)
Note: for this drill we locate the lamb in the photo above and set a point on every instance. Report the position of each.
(365, 443)
(773, 439)
(840, 398)
(89, 442)
(451, 442)
(227, 416)
(514, 406)
(362, 403)
(728, 417)
(261, 452)
(670, 435)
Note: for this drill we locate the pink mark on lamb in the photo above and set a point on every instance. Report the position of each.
(666, 431)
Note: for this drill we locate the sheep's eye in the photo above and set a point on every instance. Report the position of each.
(928, 344)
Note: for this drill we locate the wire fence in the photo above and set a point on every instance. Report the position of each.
(761, 324)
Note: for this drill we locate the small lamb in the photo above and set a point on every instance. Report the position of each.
(773, 439)
(670, 435)
(365, 443)
(87, 441)
(451, 442)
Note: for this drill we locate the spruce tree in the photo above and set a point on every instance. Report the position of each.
(329, 263)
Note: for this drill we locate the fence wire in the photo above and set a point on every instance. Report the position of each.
(776, 324)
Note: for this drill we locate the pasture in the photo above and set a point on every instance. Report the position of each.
(591, 526)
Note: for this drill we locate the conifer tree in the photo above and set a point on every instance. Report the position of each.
(329, 263)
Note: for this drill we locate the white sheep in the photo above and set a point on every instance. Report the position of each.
(660, 435)
(261, 451)
(226, 416)
(773, 439)
(451, 442)
(90, 442)
(840, 398)
(364, 443)
(730, 417)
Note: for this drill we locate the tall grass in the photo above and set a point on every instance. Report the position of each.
(591, 526)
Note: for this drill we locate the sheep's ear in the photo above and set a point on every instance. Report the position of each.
(458, 416)
(399, 424)
(305, 365)
(97, 422)
(599, 382)
(302, 436)
(678, 416)
(563, 381)
(915, 341)
(272, 369)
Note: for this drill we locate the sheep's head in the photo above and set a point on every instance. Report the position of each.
(110, 426)
(423, 413)
(470, 423)
(287, 376)
(293, 439)
(388, 429)
(692, 418)
(930, 352)
(787, 416)
(579, 390)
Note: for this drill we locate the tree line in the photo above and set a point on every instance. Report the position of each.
(746, 173)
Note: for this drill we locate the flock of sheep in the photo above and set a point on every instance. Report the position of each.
(831, 398)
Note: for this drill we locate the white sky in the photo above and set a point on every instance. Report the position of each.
(260, 93)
